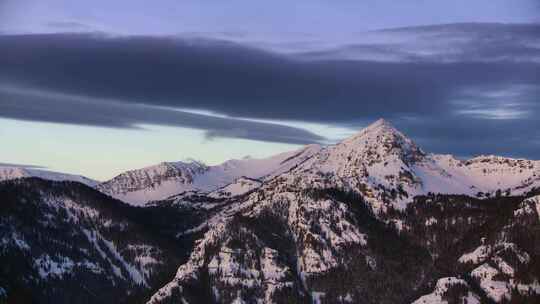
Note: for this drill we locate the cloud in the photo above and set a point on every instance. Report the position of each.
(513, 102)
(467, 136)
(27, 104)
(237, 81)
(439, 87)
(479, 42)
(68, 25)
(21, 166)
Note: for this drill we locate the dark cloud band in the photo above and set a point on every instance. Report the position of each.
(60, 108)
(433, 97)
(238, 81)
(21, 166)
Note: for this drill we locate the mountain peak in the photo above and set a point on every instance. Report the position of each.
(380, 127)
(381, 122)
(382, 138)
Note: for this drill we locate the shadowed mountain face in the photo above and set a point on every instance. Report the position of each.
(373, 219)
(64, 242)
(282, 244)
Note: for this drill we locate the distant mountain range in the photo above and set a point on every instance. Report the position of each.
(12, 172)
(166, 179)
(378, 157)
(372, 219)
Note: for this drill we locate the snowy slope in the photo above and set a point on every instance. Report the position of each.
(13, 172)
(490, 173)
(154, 182)
(167, 179)
(240, 186)
(444, 287)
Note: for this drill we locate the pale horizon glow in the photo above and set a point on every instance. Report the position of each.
(102, 153)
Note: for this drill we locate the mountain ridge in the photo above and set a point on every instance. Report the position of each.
(378, 156)
(151, 183)
(8, 172)
(373, 219)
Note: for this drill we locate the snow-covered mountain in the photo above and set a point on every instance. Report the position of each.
(13, 172)
(349, 225)
(154, 182)
(167, 179)
(287, 244)
(373, 219)
(379, 161)
(389, 170)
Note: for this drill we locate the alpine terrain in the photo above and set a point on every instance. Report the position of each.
(372, 219)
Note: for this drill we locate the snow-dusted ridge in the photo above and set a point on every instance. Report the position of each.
(170, 178)
(13, 172)
(388, 168)
(379, 161)
(240, 186)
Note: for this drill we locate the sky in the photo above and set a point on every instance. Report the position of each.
(100, 87)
